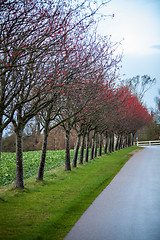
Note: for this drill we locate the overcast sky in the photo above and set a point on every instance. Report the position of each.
(138, 23)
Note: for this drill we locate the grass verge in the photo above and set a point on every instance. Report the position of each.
(48, 210)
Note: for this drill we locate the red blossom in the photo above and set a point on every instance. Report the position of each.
(8, 65)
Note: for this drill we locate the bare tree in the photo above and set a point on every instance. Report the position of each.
(157, 111)
(140, 85)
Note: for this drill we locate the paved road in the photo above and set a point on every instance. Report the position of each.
(129, 208)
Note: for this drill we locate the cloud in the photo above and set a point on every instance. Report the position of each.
(156, 47)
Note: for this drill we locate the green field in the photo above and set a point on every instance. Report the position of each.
(48, 210)
(31, 162)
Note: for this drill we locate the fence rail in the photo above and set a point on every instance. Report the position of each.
(147, 143)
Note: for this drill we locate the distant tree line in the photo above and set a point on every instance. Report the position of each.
(32, 141)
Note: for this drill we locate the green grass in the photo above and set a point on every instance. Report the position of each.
(48, 210)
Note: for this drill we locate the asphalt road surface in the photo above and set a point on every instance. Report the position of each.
(129, 208)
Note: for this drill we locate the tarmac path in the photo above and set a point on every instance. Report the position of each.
(129, 207)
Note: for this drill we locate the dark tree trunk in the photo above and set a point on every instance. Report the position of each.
(0, 148)
(67, 151)
(19, 182)
(132, 139)
(82, 150)
(100, 144)
(120, 142)
(110, 144)
(87, 148)
(117, 143)
(74, 164)
(125, 141)
(96, 145)
(92, 146)
(106, 142)
(129, 139)
(43, 155)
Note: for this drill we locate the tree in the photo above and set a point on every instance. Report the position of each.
(70, 67)
(157, 111)
(89, 78)
(30, 35)
(9, 90)
(140, 85)
(131, 116)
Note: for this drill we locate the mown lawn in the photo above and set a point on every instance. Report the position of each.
(48, 210)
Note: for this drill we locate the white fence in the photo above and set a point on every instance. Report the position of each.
(147, 143)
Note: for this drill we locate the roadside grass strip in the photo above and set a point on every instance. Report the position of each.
(48, 210)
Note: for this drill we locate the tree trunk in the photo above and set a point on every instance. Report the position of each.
(129, 140)
(92, 146)
(37, 133)
(125, 141)
(19, 182)
(67, 151)
(100, 144)
(132, 143)
(120, 142)
(43, 155)
(82, 150)
(0, 148)
(117, 143)
(133, 136)
(112, 142)
(96, 145)
(74, 164)
(106, 143)
(87, 148)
